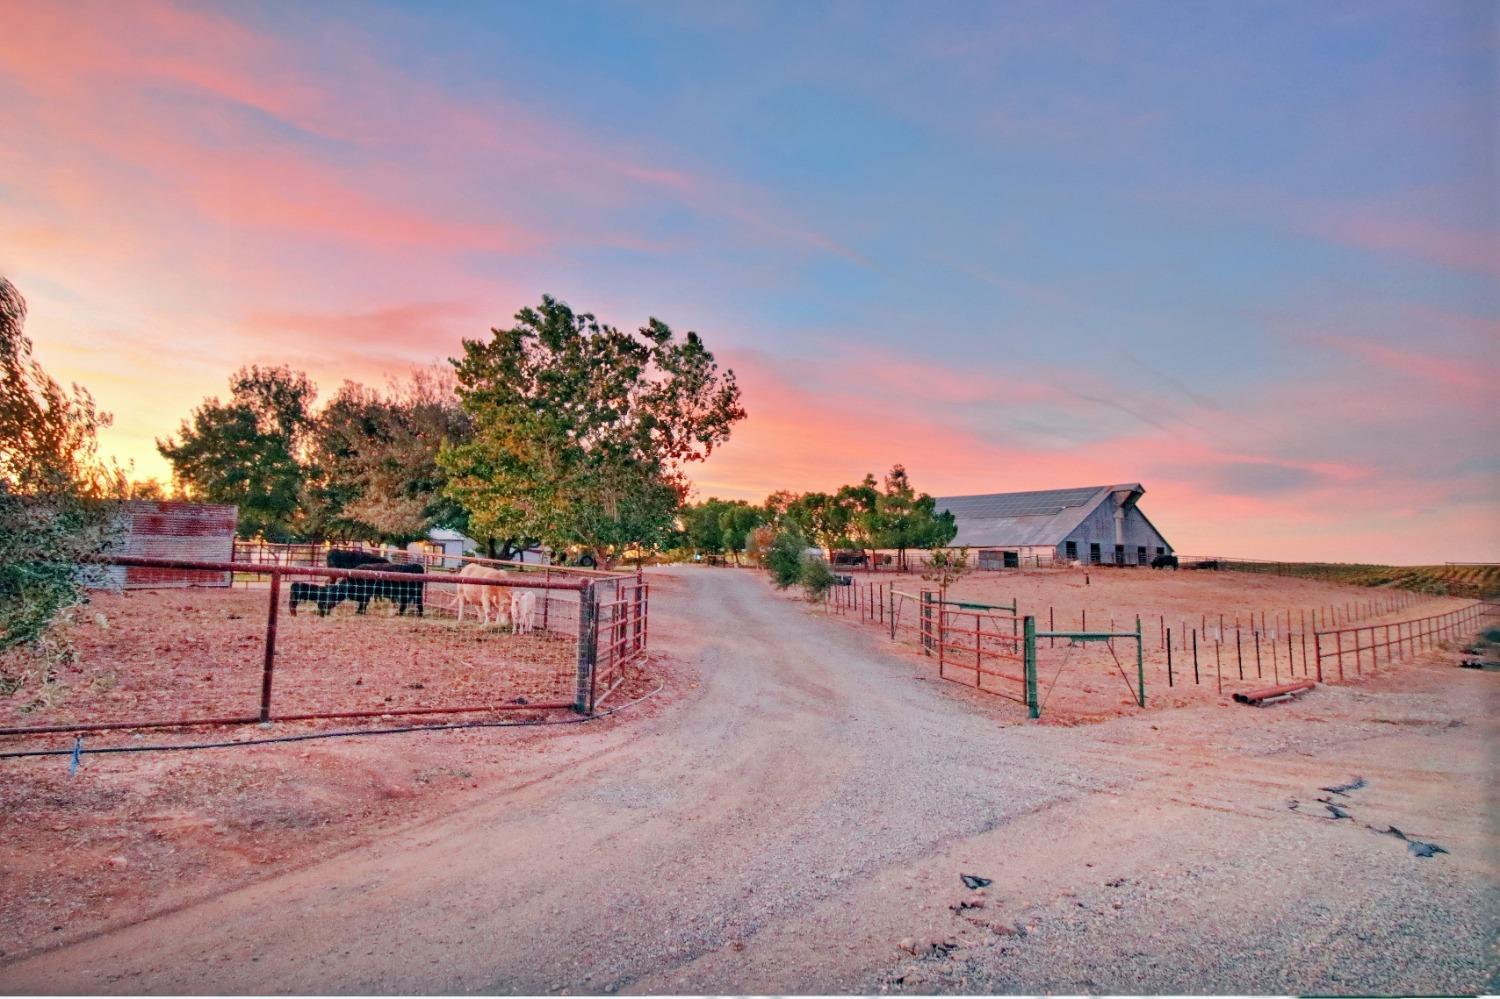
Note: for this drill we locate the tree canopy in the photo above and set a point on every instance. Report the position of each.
(581, 430)
(248, 451)
(53, 493)
(373, 460)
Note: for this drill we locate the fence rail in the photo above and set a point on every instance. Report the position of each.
(1408, 638)
(214, 656)
(310, 554)
(1221, 651)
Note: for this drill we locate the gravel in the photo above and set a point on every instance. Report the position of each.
(798, 821)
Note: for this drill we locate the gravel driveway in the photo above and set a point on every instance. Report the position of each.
(809, 806)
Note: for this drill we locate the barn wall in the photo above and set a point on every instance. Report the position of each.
(1099, 526)
(171, 529)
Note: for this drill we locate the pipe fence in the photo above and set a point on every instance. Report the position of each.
(1221, 651)
(352, 643)
(1400, 639)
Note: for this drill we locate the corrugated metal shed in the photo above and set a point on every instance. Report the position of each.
(1031, 519)
(174, 529)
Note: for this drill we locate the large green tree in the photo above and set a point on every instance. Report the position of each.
(54, 494)
(906, 519)
(720, 527)
(373, 460)
(581, 430)
(249, 451)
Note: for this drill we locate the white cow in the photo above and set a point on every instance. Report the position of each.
(485, 596)
(523, 611)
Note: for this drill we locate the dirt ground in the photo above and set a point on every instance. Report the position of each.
(129, 834)
(199, 653)
(791, 815)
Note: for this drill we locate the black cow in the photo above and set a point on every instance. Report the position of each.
(362, 591)
(326, 597)
(343, 558)
(1164, 562)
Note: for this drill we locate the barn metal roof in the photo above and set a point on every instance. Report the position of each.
(1043, 517)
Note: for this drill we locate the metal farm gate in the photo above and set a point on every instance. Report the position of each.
(307, 643)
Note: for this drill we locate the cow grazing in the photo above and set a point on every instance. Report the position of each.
(484, 596)
(325, 597)
(1164, 562)
(523, 611)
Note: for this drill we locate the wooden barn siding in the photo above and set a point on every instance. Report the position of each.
(1100, 526)
(169, 529)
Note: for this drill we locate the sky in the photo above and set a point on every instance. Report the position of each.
(1245, 254)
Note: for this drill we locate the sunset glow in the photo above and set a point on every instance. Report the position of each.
(1247, 257)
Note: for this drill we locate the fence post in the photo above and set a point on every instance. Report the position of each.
(1028, 654)
(1140, 664)
(270, 663)
(925, 631)
(1169, 658)
(588, 638)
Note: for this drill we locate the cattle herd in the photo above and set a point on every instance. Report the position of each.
(361, 591)
(513, 608)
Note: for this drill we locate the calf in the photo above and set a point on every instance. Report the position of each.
(523, 611)
(325, 597)
(485, 596)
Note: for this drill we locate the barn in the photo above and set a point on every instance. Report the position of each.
(1095, 525)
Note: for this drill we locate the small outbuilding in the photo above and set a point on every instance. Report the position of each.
(172, 529)
(1095, 525)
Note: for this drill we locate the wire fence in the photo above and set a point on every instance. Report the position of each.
(320, 642)
(1217, 653)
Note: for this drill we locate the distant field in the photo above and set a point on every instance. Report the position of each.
(1447, 580)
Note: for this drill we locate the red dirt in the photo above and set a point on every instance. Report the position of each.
(199, 653)
(134, 833)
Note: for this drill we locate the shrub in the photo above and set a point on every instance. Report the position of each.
(816, 576)
(783, 559)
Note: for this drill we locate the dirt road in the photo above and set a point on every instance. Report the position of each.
(812, 803)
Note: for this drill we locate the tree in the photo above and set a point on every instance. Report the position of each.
(581, 430)
(48, 434)
(718, 527)
(737, 521)
(784, 557)
(816, 577)
(54, 496)
(702, 526)
(373, 460)
(946, 567)
(858, 503)
(249, 450)
(758, 543)
(821, 517)
(905, 519)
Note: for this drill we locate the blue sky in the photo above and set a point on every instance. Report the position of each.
(1245, 254)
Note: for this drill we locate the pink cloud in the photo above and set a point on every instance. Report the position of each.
(1424, 365)
(1475, 250)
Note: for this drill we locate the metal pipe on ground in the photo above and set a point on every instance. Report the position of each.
(1267, 695)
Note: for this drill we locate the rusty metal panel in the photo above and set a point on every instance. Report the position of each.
(171, 529)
